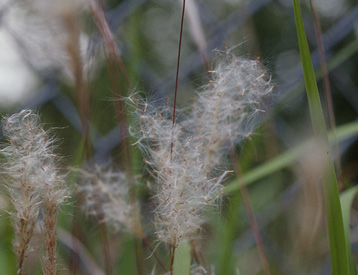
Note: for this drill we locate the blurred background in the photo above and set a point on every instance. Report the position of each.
(36, 72)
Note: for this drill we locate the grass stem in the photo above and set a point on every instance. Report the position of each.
(250, 212)
(177, 76)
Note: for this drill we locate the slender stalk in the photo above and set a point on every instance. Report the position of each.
(337, 239)
(102, 22)
(80, 251)
(194, 252)
(105, 248)
(76, 64)
(149, 245)
(24, 232)
(50, 238)
(172, 253)
(326, 85)
(197, 34)
(112, 58)
(250, 212)
(172, 246)
(73, 50)
(123, 129)
(177, 76)
(202, 256)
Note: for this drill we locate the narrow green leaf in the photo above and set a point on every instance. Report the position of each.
(5, 263)
(226, 230)
(346, 202)
(337, 242)
(286, 159)
(333, 62)
(182, 259)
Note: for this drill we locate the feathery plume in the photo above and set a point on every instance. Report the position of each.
(225, 112)
(106, 194)
(183, 188)
(228, 108)
(33, 183)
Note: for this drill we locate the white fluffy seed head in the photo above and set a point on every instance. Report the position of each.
(31, 177)
(106, 194)
(31, 161)
(185, 159)
(229, 108)
(183, 188)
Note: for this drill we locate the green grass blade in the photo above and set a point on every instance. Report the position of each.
(286, 159)
(332, 63)
(337, 242)
(182, 259)
(346, 202)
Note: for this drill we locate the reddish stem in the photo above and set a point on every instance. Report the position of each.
(172, 253)
(149, 245)
(325, 80)
(100, 16)
(177, 76)
(250, 212)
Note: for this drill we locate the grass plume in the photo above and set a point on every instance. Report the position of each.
(34, 184)
(185, 160)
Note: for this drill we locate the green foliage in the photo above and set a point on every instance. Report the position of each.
(182, 259)
(347, 198)
(287, 158)
(338, 244)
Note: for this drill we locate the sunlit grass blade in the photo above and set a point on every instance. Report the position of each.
(337, 242)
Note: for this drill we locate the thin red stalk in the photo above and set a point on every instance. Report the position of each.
(194, 252)
(250, 212)
(112, 55)
(73, 49)
(122, 123)
(139, 255)
(149, 245)
(110, 52)
(199, 254)
(203, 259)
(100, 16)
(325, 79)
(177, 76)
(172, 253)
